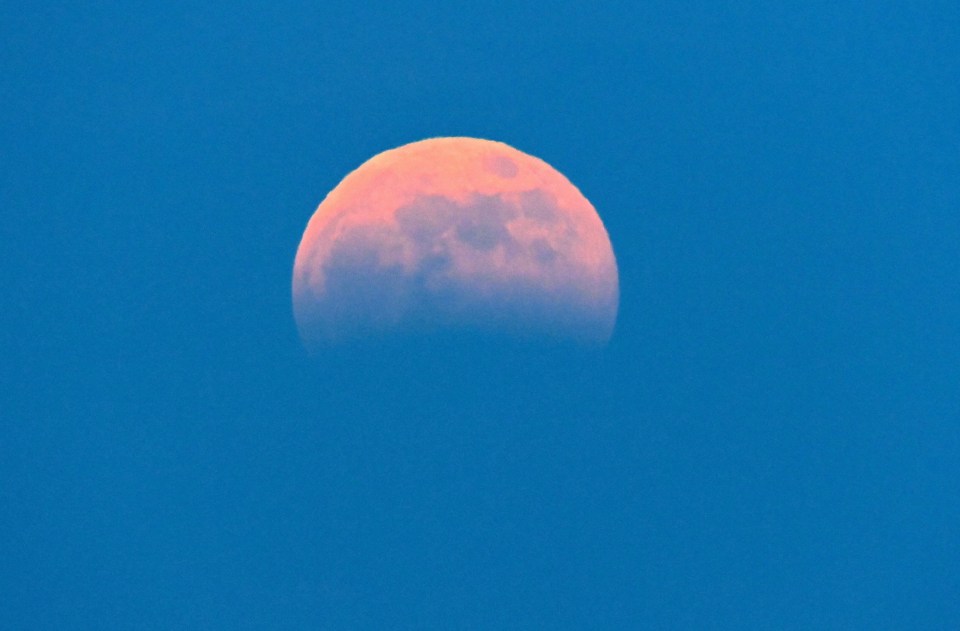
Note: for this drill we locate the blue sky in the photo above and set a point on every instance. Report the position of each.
(770, 441)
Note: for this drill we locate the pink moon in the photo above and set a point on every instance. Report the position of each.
(451, 234)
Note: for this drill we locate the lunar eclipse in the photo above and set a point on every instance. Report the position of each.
(455, 234)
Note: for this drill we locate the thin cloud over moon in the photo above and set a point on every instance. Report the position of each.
(455, 233)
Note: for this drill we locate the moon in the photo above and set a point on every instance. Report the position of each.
(455, 234)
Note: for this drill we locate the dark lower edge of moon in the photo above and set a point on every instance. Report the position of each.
(456, 371)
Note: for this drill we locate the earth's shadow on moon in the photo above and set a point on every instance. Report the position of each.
(442, 376)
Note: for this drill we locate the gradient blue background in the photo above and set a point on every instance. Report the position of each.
(771, 441)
